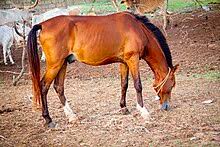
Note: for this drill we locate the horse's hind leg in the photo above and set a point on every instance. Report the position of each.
(133, 64)
(51, 73)
(124, 70)
(59, 88)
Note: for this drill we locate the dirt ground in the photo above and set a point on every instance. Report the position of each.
(94, 94)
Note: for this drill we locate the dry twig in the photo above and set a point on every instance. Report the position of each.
(11, 72)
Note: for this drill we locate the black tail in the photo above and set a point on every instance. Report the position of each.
(34, 63)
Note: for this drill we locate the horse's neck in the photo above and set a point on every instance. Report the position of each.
(157, 61)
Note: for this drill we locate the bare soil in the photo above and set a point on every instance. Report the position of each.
(94, 94)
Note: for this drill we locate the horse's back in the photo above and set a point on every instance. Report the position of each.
(102, 40)
(64, 20)
(93, 40)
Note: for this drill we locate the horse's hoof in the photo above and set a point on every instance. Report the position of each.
(51, 125)
(73, 118)
(144, 113)
(125, 111)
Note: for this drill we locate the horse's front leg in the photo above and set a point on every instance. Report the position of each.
(124, 70)
(133, 64)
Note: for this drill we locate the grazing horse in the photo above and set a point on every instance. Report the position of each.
(98, 40)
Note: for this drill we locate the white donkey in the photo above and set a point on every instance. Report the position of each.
(7, 37)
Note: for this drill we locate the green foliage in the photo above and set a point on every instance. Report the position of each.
(106, 6)
(175, 5)
(211, 75)
(179, 5)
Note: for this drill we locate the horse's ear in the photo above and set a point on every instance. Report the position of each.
(175, 67)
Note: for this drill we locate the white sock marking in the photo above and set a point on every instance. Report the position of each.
(69, 112)
(144, 112)
(157, 98)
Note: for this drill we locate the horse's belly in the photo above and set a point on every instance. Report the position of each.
(96, 57)
(97, 49)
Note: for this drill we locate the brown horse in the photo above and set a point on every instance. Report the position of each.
(98, 40)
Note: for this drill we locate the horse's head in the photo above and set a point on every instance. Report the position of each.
(130, 4)
(164, 87)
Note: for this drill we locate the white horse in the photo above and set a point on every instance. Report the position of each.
(7, 37)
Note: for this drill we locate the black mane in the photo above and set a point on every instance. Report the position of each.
(159, 36)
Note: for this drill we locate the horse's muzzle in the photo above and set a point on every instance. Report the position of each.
(165, 106)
